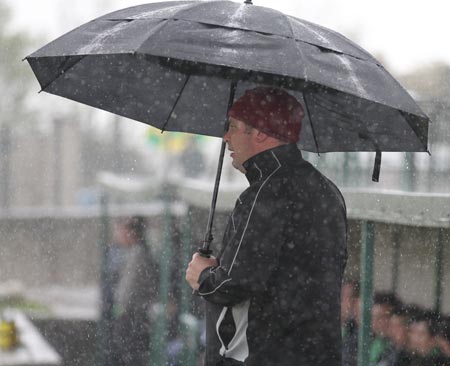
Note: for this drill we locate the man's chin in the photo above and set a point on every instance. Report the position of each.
(239, 167)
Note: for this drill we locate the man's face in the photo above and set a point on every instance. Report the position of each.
(239, 138)
(380, 319)
(124, 236)
(419, 337)
(347, 301)
(398, 331)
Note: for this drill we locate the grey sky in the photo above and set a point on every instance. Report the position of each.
(403, 34)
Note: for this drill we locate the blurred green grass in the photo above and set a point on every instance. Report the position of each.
(25, 305)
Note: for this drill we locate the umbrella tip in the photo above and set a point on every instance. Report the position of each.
(248, 2)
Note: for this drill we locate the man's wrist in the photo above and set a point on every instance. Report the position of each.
(205, 274)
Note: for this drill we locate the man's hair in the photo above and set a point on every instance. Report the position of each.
(444, 327)
(437, 323)
(386, 298)
(414, 312)
(427, 317)
(137, 225)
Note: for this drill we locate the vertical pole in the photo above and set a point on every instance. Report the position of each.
(188, 326)
(349, 170)
(104, 328)
(117, 146)
(395, 259)
(158, 345)
(57, 162)
(439, 270)
(409, 173)
(5, 165)
(367, 251)
(345, 170)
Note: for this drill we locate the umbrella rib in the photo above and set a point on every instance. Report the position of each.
(176, 103)
(304, 91)
(329, 48)
(311, 122)
(300, 51)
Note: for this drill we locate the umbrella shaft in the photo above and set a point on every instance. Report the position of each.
(208, 235)
(205, 251)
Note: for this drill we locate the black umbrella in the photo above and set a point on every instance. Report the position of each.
(178, 66)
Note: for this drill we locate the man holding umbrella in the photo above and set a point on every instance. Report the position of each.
(273, 293)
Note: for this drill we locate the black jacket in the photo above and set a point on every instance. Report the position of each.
(275, 297)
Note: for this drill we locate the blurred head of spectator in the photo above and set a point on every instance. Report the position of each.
(384, 304)
(398, 328)
(349, 297)
(421, 334)
(129, 231)
(442, 334)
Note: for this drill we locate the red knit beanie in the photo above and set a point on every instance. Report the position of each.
(270, 110)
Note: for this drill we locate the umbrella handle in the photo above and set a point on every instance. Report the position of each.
(205, 252)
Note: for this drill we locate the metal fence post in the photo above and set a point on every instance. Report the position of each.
(364, 333)
(5, 165)
(409, 172)
(158, 347)
(395, 259)
(439, 271)
(104, 327)
(188, 324)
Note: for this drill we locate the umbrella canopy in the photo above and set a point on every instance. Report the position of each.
(179, 65)
(172, 64)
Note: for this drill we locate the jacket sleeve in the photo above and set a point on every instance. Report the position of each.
(251, 252)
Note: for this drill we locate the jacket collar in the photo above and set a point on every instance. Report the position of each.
(260, 166)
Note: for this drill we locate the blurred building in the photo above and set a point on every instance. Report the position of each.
(58, 165)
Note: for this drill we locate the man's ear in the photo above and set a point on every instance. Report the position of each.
(260, 136)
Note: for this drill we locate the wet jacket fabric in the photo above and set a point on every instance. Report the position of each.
(274, 299)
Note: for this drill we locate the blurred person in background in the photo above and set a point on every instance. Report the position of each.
(349, 315)
(134, 293)
(349, 297)
(113, 261)
(384, 304)
(422, 342)
(398, 336)
(443, 336)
